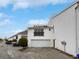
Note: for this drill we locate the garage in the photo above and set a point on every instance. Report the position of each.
(40, 43)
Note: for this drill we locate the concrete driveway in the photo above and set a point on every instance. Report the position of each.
(9, 52)
(44, 53)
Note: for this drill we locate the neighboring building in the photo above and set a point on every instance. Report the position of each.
(66, 29)
(19, 35)
(40, 36)
(12, 37)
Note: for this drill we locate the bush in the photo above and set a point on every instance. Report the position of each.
(6, 40)
(23, 42)
(14, 40)
(1, 40)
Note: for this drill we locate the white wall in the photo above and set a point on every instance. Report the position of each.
(65, 30)
(12, 38)
(21, 35)
(47, 35)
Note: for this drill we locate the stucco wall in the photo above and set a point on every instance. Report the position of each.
(12, 38)
(19, 36)
(47, 35)
(65, 30)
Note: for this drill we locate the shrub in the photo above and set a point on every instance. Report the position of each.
(6, 40)
(1, 40)
(23, 42)
(14, 40)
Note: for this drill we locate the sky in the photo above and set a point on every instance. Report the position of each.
(18, 15)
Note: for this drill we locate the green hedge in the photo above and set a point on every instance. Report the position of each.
(23, 42)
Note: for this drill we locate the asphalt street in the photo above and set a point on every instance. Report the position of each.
(6, 52)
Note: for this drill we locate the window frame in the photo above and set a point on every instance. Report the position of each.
(38, 32)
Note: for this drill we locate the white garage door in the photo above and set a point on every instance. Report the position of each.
(40, 43)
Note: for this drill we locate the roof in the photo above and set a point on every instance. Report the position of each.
(20, 33)
(63, 10)
(40, 26)
(12, 36)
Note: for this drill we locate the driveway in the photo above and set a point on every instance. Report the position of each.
(44, 53)
(9, 52)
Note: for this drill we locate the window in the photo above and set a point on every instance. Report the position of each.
(49, 29)
(53, 29)
(16, 37)
(38, 32)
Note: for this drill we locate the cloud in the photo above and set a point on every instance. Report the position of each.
(59, 1)
(5, 22)
(10, 33)
(4, 3)
(17, 31)
(5, 19)
(22, 4)
(4, 15)
(37, 22)
(13, 32)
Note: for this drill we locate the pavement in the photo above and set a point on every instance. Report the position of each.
(9, 52)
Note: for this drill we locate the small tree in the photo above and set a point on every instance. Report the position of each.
(14, 40)
(23, 42)
(1, 39)
(6, 40)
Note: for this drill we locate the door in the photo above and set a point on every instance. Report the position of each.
(40, 43)
(54, 43)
